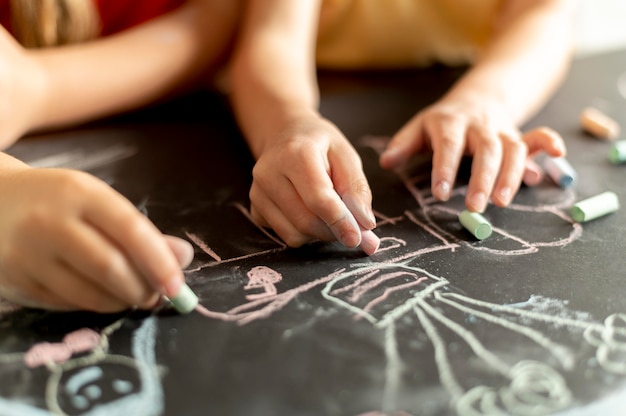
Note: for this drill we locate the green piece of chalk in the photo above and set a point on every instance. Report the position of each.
(185, 301)
(617, 153)
(595, 207)
(475, 224)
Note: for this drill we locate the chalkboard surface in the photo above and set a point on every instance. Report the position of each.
(529, 321)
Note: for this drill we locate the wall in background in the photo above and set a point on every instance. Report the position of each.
(600, 26)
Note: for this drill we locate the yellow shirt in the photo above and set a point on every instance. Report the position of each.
(402, 33)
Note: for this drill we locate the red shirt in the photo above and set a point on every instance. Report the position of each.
(115, 15)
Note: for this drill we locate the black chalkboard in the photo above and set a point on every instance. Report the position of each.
(530, 321)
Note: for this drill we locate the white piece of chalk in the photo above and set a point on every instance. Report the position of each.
(598, 124)
(560, 170)
(186, 301)
(476, 224)
(617, 153)
(595, 207)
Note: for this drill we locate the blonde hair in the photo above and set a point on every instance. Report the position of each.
(42, 23)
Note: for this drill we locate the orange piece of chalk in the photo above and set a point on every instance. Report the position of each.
(598, 124)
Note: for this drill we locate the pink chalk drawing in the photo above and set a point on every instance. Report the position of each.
(79, 341)
(262, 277)
(391, 285)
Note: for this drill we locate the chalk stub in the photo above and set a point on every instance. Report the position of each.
(560, 170)
(617, 153)
(533, 173)
(595, 207)
(185, 301)
(598, 124)
(476, 224)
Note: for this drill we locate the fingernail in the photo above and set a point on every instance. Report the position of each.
(372, 219)
(187, 255)
(505, 195)
(478, 201)
(347, 231)
(350, 238)
(390, 156)
(172, 287)
(369, 242)
(442, 190)
(363, 214)
(390, 152)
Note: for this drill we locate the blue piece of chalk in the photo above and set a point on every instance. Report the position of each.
(560, 170)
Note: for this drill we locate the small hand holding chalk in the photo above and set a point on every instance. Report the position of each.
(308, 184)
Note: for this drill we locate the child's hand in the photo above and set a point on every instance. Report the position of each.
(308, 184)
(454, 127)
(69, 241)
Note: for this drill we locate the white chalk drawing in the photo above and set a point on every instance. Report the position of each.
(391, 288)
(84, 160)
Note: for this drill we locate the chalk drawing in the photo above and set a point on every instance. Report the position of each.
(383, 292)
(78, 378)
(389, 288)
(84, 160)
(264, 278)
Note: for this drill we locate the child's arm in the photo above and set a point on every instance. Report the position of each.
(71, 84)
(69, 241)
(308, 181)
(480, 115)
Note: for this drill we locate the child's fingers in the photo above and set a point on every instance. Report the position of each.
(137, 238)
(406, 142)
(315, 188)
(69, 287)
(50, 284)
(96, 258)
(512, 169)
(286, 214)
(544, 139)
(182, 249)
(23, 290)
(485, 167)
(351, 184)
(447, 139)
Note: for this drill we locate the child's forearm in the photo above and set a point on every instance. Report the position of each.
(273, 72)
(526, 60)
(129, 69)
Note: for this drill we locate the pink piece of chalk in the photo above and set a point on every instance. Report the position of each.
(533, 173)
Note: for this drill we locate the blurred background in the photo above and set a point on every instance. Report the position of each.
(600, 26)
